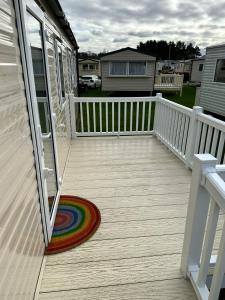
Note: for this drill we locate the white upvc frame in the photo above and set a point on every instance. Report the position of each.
(127, 62)
(60, 76)
(21, 8)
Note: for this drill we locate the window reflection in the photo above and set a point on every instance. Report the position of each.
(40, 79)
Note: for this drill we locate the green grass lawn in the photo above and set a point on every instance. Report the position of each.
(187, 99)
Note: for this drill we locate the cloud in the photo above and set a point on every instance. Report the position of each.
(120, 40)
(101, 24)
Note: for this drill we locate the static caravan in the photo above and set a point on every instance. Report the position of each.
(197, 70)
(38, 53)
(127, 70)
(89, 67)
(212, 94)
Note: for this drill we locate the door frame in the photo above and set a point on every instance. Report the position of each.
(21, 8)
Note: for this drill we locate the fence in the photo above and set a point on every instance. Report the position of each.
(111, 116)
(207, 200)
(167, 82)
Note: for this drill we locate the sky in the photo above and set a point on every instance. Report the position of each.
(108, 25)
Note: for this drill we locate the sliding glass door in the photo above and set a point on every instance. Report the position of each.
(42, 97)
(34, 57)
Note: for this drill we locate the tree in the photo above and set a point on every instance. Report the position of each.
(169, 50)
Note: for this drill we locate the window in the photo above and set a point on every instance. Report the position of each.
(200, 67)
(91, 67)
(118, 68)
(220, 71)
(132, 68)
(85, 67)
(137, 68)
(60, 72)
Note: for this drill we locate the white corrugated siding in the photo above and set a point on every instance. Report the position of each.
(212, 96)
(21, 236)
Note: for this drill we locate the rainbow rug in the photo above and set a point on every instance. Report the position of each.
(76, 221)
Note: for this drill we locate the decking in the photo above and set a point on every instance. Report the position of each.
(142, 191)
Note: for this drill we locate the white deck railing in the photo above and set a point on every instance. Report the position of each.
(167, 82)
(111, 116)
(183, 130)
(207, 200)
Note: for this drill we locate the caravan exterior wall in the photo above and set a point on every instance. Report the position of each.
(22, 237)
(127, 82)
(22, 242)
(212, 95)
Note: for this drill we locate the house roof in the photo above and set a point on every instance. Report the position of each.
(87, 59)
(199, 58)
(59, 14)
(126, 49)
(216, 46)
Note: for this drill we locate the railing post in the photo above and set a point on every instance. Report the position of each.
(158, 96)
(72, 115)
(196, 214)
(192, 135)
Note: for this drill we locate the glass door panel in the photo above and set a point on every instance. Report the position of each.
(34, 30)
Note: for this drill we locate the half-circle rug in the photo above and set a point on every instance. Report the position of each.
(77, 219)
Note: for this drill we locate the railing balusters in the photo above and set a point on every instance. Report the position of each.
(149, 115)
(214, 143)
(137, 116)
(81, 117)
(180, 142)
(208, 242)
(94, 117)
(208, 140)
(125, 116)
(107, 117)
(203, 139)
(219, 270)
(118, 117)
(221, 147)
(184, 143)
(88, 117)
(143, 117)
(178, 131)
(100, 116)
(198, 136)
(131, 116)
(175, 128)
(112, 116)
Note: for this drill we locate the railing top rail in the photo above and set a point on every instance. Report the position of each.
(178, 107)
(209, 120)
(113, 99)
(170, 75)
(215, 185)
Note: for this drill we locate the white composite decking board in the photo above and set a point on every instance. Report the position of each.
(177, 289)
(136, 252)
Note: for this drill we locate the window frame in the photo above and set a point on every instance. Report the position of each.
(62, 99)
(128, 68)
(200, 68)
(214, 80)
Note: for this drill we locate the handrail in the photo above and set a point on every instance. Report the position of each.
(114, 99)
(207, 199)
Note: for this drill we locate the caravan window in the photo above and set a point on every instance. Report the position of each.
(220, 71)
(137, 68)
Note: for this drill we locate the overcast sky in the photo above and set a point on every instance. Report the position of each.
(112, 24)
